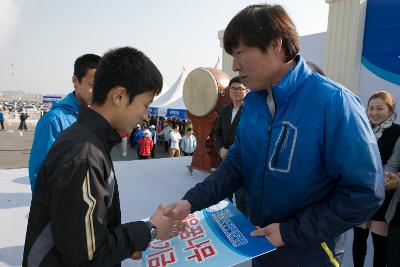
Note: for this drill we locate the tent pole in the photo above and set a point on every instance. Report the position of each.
(158, 121)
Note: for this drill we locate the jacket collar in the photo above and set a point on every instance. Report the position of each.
(283, 91)
(70, 102)
(291, 82)
(100, 126)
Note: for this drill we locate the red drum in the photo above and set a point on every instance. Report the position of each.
(204, 95)
(204, 91)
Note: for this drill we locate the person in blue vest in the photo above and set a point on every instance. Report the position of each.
(63, 113)
(304, 150)
(136, 138)
(1, 118)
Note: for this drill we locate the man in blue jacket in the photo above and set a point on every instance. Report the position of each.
(310, 165)
(63, 113)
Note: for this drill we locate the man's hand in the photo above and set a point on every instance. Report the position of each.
(167, 227)
(392, 180)
(222, 152)
(178, 211)
(271, 232)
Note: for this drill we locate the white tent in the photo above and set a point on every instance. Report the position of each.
(217, 65)
(175, 92)
(177, 104)
(159, 106)
(176, 109)
(164, 89)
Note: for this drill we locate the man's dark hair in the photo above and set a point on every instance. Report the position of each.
(129, 68)
(83, 63)
(258, 26)
(236, 79)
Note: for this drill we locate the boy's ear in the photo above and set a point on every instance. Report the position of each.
(75, 81)
(117, 95)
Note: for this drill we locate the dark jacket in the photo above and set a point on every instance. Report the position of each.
(386, 145)
(75, 217)
(387, 141)
(224, 130)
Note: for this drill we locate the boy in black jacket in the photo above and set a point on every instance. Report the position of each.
(75, 216)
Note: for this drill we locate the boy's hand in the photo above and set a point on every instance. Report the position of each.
(166, 227)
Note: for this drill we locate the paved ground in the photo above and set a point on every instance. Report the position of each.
(15, 147)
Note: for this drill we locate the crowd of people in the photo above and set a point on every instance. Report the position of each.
(21, 114)
(176, 135)
(298, 150)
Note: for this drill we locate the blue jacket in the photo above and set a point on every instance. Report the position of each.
(62, 114)
(314, 167)
(138, 134)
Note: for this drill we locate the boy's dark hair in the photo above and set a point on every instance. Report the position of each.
(129, 68)
(258, 26)
(236, 79)
(83, 63)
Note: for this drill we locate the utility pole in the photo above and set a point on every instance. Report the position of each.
(12, 78)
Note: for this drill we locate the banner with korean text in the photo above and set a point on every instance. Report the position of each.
(216, 236)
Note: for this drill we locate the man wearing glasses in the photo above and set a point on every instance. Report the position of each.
(225, 129)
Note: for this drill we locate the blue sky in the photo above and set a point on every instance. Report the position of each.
(42, 38)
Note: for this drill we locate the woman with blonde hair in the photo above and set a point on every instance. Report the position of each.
(381, 114)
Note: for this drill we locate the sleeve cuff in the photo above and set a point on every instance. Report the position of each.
(286, 232)
(192, 207)
(140, 235)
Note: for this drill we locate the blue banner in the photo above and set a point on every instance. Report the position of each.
(381, 47)
(177, 113)
(153, 111)
(216, 236)
(51, 98)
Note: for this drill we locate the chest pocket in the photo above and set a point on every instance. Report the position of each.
(282, 155)
(110, 188)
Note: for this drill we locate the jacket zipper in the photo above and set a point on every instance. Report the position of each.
(269, 143)
(279, 145)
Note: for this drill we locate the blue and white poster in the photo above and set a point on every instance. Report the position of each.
(381, 46)
(380, 68)
(216, 236)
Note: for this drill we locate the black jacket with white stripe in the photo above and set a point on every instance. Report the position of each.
(75, 216)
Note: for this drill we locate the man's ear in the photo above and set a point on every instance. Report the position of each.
(118, 94)
(276, 45)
